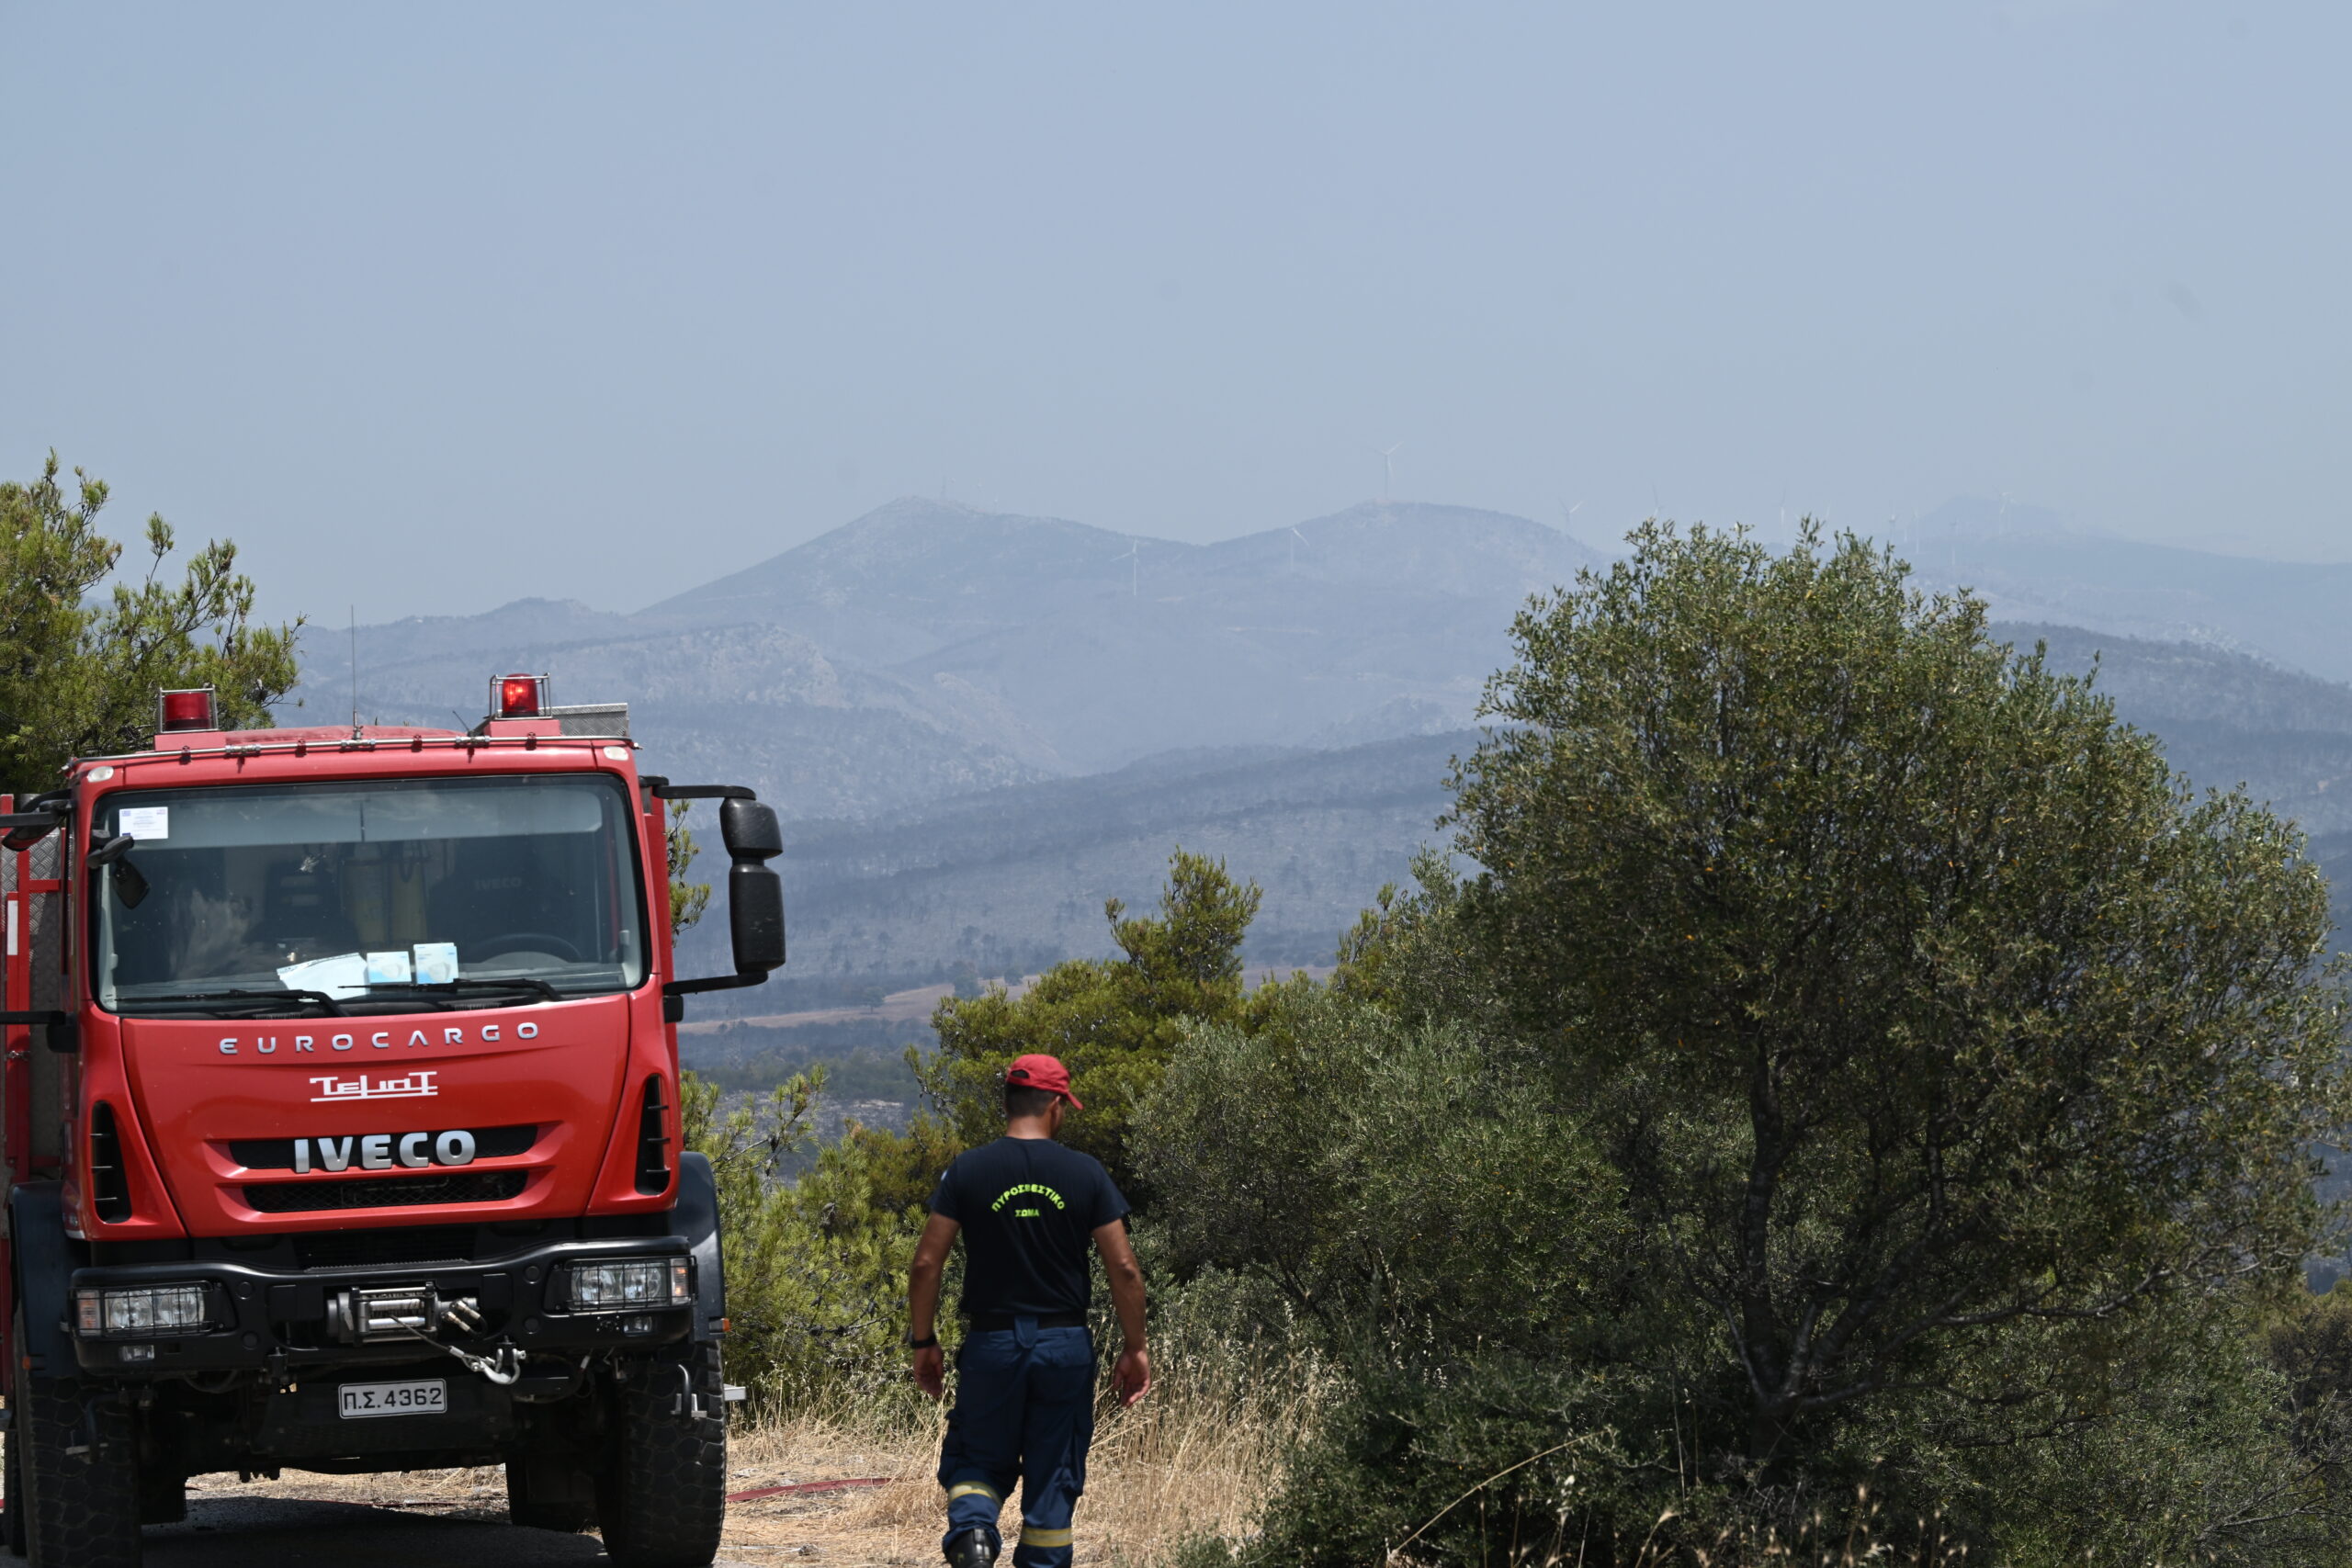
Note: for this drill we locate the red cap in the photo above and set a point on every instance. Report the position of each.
(1041, 1072)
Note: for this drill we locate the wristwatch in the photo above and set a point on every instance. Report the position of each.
(929, 1342)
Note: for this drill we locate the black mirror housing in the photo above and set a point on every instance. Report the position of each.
(755, 917)
(750, 830)
(754, 892)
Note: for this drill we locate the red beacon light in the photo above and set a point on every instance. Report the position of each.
(518, 696)
(185, 710)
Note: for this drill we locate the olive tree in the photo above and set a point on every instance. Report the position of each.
(1920, 1009)
(78, 671)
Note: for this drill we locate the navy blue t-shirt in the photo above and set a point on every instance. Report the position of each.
(1029, 1209)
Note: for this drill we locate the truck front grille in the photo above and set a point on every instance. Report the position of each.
(277, 1154)
(387, 1193)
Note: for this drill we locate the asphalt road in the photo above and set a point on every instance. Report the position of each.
(240, 1532)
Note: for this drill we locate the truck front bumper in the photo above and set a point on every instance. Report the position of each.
(286, 1320)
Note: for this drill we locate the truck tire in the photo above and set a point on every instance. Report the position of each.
(663, 1500)
(564, 1516)
(12, 1478)
(82, 1506)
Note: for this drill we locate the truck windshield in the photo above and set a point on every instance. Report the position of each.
(434, 892)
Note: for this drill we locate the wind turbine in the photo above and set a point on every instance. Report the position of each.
(1134, 569)
(1387, 469)
(1568, 516)
(1297, 539)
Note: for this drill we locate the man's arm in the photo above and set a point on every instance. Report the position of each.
(1132, 1374)
(922, 1302)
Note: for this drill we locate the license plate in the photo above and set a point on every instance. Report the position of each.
(428, 1396)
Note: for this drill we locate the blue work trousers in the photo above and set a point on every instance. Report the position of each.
(1025, 1410)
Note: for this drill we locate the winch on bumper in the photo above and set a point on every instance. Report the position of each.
(213, 1314)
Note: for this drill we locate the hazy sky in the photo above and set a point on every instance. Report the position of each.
(434, 307)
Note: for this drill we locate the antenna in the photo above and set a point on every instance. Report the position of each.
(1135, 568)
(1387, 469)
(355, 671)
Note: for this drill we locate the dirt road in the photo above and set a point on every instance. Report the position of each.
(803, 1501)
(238, 1533)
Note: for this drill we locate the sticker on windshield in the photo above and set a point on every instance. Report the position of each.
(144, 823)
(388, 968)
(436, 963)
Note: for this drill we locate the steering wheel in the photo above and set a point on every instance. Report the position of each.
(530, 941)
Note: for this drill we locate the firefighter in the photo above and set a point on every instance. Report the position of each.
(1024, 1390)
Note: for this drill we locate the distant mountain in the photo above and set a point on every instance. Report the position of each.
(745, 704)
(2029, 565)
(927, 647)
(915, 576)
(1113, 647)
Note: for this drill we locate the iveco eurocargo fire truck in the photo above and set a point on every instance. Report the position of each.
(341, 1124)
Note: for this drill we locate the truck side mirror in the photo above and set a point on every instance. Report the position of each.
(750, 830)
(754, 892)
(755, 917)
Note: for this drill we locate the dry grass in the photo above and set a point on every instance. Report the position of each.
(1198, 1455)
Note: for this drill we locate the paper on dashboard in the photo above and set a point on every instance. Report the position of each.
(342, 976)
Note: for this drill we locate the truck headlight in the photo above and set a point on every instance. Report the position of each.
(143, 1311)
(629, 1285)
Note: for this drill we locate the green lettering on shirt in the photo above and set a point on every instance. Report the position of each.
(1010, 1193)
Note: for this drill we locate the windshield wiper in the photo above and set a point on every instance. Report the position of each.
(445, 994)
(327, 1004)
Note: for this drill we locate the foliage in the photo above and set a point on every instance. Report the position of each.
(2309, 1346)
(1912, 998)
(1114, 1023)
(687, 900)
(1379, 1174)
(78, 675)
(1426, 1216)
(2202, 1458)
(815, 1267)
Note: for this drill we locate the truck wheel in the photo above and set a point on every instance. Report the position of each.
(664, 1499)
(84, 1505)
(12, 1478)
(568, 1515)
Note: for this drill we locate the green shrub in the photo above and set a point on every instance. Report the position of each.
(816, 1267)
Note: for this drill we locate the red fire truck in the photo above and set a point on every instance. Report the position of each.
(341, 1128)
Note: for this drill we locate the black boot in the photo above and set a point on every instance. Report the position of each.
(970, 1549)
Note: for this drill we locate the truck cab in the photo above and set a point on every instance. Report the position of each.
(340, 1117)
